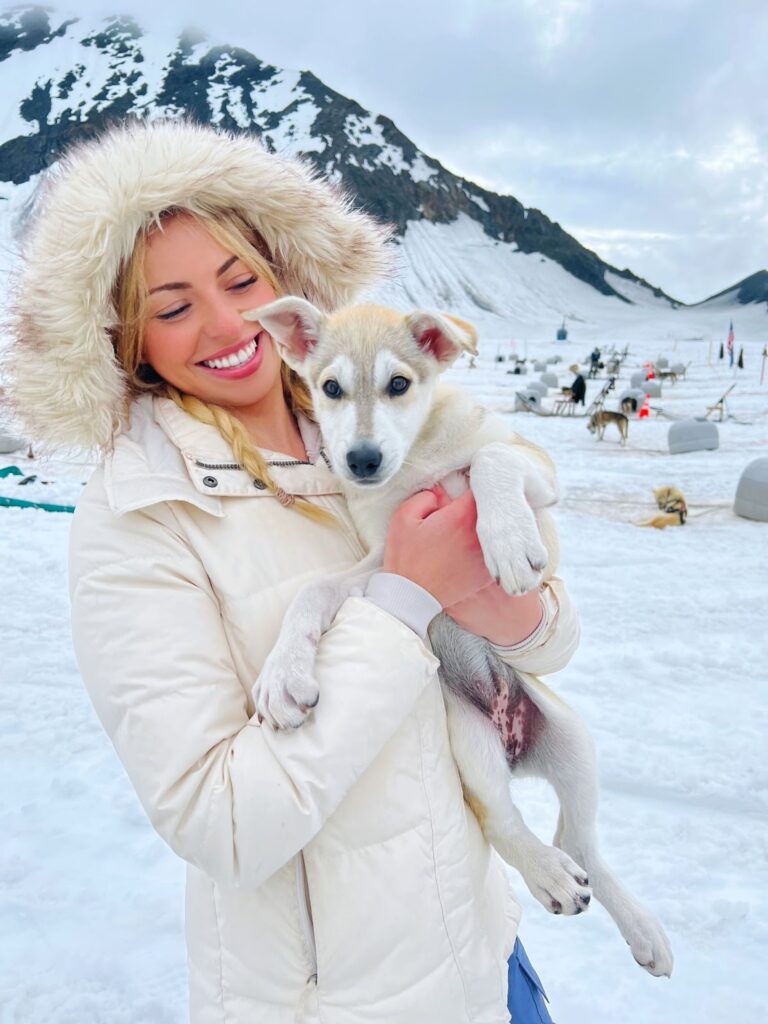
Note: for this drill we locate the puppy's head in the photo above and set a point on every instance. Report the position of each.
(371, 373)
(592, 425)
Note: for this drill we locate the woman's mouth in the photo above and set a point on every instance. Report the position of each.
(242, 362)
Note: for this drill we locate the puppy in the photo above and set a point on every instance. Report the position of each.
(390, 429)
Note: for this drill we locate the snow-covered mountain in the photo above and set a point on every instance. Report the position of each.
(462, 247)
(752, 289)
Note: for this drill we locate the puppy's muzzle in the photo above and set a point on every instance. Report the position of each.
(364, 460)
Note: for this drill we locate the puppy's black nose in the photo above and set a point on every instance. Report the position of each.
(364, 459)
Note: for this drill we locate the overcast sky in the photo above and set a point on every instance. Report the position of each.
(640, 125)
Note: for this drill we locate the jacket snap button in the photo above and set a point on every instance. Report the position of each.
(259, 484)
(210, 481)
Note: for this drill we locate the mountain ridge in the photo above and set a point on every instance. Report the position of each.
(93, 72)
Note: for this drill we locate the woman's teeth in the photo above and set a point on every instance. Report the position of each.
(235, 359)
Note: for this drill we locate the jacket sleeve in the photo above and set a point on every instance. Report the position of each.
(235, 799)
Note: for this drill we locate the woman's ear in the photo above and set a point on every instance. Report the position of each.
(293, 324)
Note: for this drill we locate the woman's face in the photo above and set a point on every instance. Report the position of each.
(195, 337)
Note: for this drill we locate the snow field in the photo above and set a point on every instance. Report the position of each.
(670, 677)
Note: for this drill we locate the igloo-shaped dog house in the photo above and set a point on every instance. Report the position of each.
(751, 500)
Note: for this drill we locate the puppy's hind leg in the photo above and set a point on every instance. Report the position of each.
(564, 755)
(553, 878)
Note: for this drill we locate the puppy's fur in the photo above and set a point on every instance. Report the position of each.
(674, 510)
(390, 429)
(599, 420)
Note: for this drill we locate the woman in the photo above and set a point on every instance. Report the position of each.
(334, 872)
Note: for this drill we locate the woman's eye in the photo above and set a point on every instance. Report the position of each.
(242, 285)
(332, 389)
(173, 313)
(399, 385)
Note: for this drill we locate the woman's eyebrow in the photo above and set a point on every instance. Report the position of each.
(173, 285)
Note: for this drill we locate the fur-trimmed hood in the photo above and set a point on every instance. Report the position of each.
(65, 383)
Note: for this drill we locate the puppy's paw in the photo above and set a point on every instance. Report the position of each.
(557, 882)
(649, 944)
(513, 550)
(286, 690)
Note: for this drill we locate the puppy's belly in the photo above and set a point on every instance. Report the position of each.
(516, 718)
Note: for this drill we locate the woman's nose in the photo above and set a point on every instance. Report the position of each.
(222, 321)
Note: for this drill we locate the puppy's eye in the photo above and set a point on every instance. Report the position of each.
(399, 385)
(332, 388)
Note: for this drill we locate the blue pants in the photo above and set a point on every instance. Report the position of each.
(526, 994)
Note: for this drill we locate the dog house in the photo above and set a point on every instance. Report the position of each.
(9, 443)
(634, 395)
(751, 500)
(550, 379)
(638, 379)
(537, 387)
(554, 359)
(652, 388)
(662, 363)
(693, 436)
(539, 367)
(526, 399)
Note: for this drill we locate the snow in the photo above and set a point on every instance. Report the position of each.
(670, 676)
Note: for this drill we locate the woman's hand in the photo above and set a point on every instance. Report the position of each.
(433, 542)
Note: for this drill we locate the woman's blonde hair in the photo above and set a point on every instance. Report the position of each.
(131, 298)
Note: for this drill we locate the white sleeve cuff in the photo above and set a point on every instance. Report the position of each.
(406, 600)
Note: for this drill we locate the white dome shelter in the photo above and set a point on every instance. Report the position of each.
(539, 367)
(693, 436)
(652, 388)
(662, 363)
(9, 443)
(638, 379)
(526, 400)
(536, 387)
(751, 500)
(635, 395)
(550, 379)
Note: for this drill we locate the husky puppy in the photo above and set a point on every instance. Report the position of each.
(674, 510)
(390, 429)
(599, 420)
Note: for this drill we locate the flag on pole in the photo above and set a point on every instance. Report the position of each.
(729, 344)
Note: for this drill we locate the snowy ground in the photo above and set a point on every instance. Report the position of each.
(670, 675)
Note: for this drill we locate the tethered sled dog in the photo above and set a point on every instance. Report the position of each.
(390, 429)
(599, 420)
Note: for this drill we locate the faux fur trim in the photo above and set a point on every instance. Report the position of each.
(65, 384)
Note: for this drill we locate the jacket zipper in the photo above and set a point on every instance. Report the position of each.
(273, 462)
(305, 914)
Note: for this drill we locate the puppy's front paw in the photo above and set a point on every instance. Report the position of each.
(286, 690)
(513, 550)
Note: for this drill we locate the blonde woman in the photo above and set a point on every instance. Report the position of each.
(334, 873)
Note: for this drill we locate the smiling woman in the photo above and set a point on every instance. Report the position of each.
(334, 869)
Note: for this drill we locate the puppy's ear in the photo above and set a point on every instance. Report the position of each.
(294, 325)
(442, 337)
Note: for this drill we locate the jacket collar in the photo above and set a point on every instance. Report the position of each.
(164, 454)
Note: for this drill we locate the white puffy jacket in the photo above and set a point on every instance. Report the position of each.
(335, 873)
